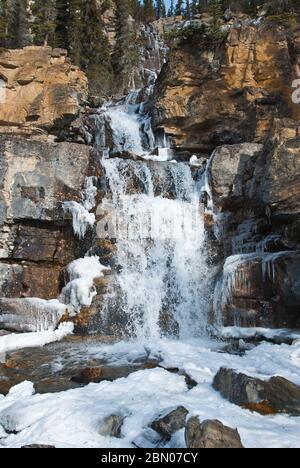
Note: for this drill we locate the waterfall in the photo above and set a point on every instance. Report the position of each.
(163, 282)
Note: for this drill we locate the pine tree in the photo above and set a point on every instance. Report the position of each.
(75, 26)
(171, 10)
(44, 22)
(194, 7)
(3, 22)
(160, 5)
(215, 9)
(95, 56)
(187, 13)
(179, 8)
(148, 11)
(135, 9)
(126, 52)
(61, 23)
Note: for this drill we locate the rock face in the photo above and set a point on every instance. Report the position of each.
(36, 239)
(278, 395)
(40, 90)
(167, 425)
(41, 94)
(255, 190)
(261, 290)
(211, 435)
(209, 96)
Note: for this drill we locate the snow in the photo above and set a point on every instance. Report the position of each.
(29, 340)
(31, 314)
(82, 219)
(72, 419)
(267, 333)
(80, 291)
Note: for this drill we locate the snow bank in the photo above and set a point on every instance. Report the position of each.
(72, 419)
(29, 340)
(268, 333)
(80, 291)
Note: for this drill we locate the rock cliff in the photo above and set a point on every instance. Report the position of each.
(41, 95)
(40, 90)
(209, 95)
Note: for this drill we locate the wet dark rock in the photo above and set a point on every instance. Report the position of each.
(112, 426)
(167, 425)
(38, 446)
(211, 435)
(88, 375)
(59, 366)
(277, 395)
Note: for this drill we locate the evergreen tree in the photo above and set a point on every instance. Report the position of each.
(160, 8)
(3, 22)
(61, 23)
(179, 8)
(194, 7)
(75, 27)
(171, 10)
(148, 11)
(215, 9)
(126, 52)
(135, 9)
(14, 26)
(187, 13)
(44, 22)
(95, 54)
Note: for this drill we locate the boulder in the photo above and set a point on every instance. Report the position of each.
(41, 89)
(211, 435)
(112, 426)
(277, 395)
(89, 375)
(172, 422)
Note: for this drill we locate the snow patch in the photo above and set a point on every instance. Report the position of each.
(29, 340)
(80, 291)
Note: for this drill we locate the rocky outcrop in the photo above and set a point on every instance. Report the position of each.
(170, 423)
(277, 395)
(36, 239)
(209, 95)
(211, 435)
(261, 290)
(255, 191)
(40, 90)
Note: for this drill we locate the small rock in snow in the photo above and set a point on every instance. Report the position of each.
(211, 435)
(167, 425)
(38, 446)
(112, 426)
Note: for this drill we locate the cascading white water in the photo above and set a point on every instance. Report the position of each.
(164, 281)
